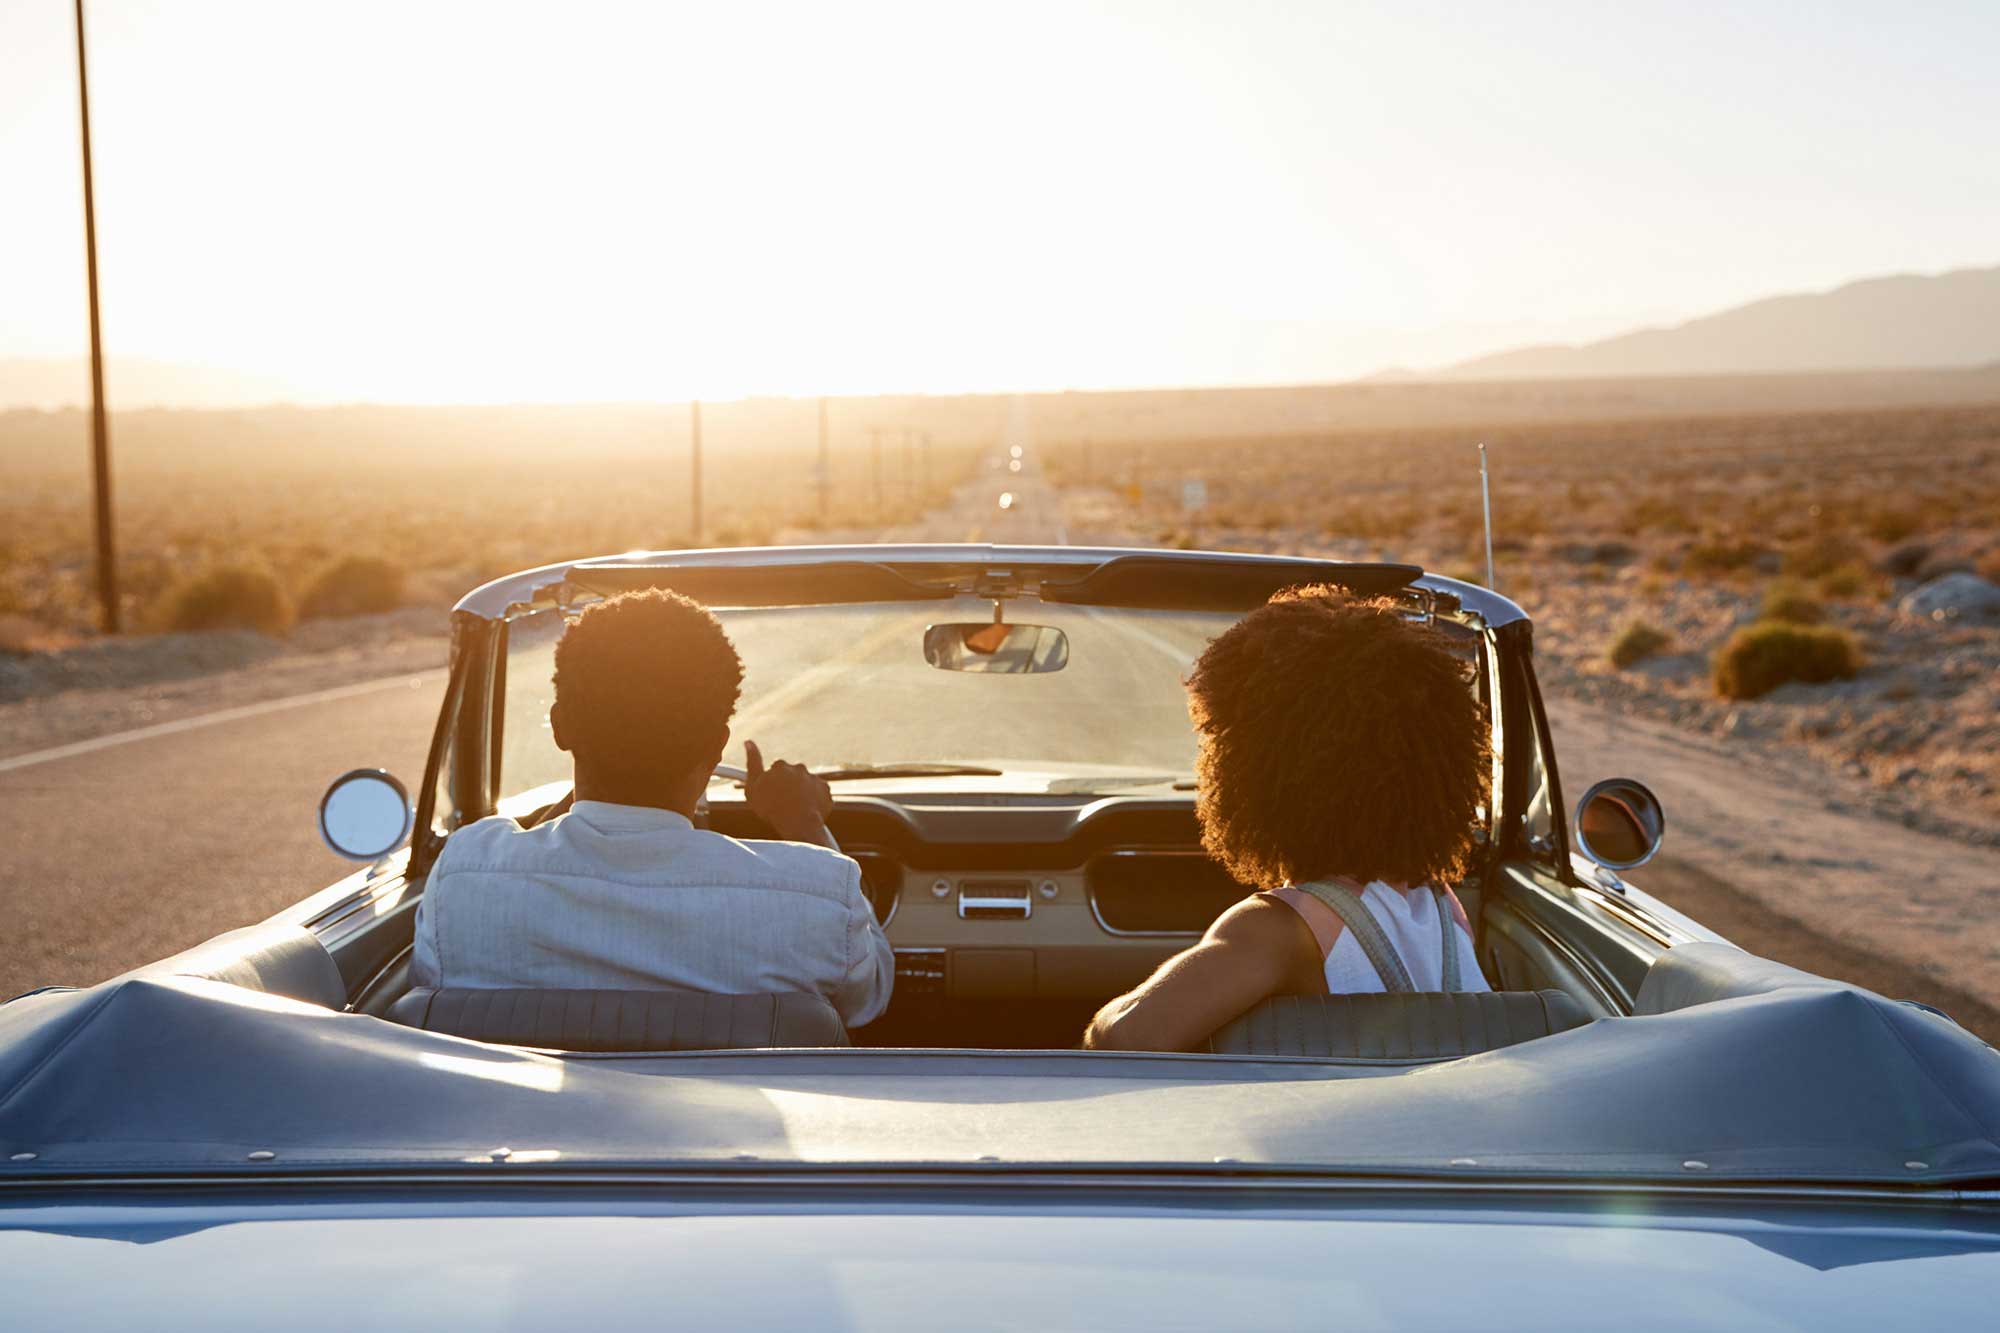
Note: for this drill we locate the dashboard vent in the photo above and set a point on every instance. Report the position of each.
(1166, 891)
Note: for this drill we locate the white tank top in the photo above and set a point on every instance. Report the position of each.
(1409, 918)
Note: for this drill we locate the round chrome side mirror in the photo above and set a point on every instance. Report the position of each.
(1619, 824)
(365, 815)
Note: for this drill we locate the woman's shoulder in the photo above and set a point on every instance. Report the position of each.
(1267, 916)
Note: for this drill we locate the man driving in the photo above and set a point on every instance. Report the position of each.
(622, 891)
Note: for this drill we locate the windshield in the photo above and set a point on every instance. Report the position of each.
(848, 687)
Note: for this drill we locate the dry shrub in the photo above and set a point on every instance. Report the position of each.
(1989, 565)
(355, 585)
(1656, 514)
(1635, 643)
(18, 635)
(1721, 556)
(1818, 556)
(230, 597)
(1848, 582)
(1759, 658)
(1792, 604)
(1892, 525)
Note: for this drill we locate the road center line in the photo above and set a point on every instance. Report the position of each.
(179, 725)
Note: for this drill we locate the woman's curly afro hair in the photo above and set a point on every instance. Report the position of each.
(645, 679)
(1338, 738)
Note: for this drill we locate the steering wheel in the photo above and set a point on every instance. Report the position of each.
(724, 772)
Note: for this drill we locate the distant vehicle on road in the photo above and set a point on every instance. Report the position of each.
(1641, 1124)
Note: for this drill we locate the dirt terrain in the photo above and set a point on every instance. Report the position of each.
(1690, 528)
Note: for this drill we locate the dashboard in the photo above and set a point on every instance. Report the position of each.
(1024, 898)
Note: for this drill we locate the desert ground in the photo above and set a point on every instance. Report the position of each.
(1850, 825)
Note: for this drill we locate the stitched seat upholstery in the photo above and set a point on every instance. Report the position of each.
(623, 1020)
(1397, 1027)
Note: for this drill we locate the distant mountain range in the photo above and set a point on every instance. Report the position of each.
(1897, 323)
(1949, 321)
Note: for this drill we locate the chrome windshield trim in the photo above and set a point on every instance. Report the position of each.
(540, 588)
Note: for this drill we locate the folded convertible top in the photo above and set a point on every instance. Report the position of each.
(1736, 1069)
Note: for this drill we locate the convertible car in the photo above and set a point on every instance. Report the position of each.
(1642, 1125)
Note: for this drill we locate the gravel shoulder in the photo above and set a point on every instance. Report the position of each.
(102, 688)
(1789, 841)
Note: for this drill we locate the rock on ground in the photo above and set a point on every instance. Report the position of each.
(1957, 596)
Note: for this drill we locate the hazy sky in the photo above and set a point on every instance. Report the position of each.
(489, 202)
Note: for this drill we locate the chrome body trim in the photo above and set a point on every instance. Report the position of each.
(892, 1176)
(995, 899)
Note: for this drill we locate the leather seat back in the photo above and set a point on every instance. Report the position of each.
(623, 1020)
(1397, 1027)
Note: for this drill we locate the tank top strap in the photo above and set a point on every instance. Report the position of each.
(1367, 932)
(1447, 941)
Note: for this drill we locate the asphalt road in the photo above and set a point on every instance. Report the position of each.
(129, 852)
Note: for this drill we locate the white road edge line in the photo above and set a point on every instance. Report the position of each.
(178, 725)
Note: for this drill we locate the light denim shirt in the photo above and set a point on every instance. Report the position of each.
(630, 897)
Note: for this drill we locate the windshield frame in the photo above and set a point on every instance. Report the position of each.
(472, 726)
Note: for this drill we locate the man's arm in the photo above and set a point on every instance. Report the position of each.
(788, 798)
(864, 992)
(1256, 949)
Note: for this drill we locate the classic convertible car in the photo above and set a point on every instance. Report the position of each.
(1642, 1124)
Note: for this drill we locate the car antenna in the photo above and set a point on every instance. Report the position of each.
(1486, 506)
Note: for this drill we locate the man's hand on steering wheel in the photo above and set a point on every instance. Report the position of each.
(787, 797)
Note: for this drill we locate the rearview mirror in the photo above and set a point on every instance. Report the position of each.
(1619, 824)
(364, 815)
(1012, 650)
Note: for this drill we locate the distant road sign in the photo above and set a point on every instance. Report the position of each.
(1194, 494)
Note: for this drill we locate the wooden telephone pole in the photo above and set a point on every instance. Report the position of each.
(694, 482)
(875, 452)
(100, 433)
(825, 469)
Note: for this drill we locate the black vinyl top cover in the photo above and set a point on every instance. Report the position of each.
(1754, 1071)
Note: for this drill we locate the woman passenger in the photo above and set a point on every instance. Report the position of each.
(1343, 761)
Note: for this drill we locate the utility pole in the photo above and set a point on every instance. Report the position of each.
(694, 484)
(100, 434)
(825, 470)
(909, 464)
(927, 463)
(875, 455)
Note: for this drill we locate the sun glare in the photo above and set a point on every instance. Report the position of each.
(499, 203)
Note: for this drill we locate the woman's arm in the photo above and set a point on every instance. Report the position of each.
(1256, 949)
